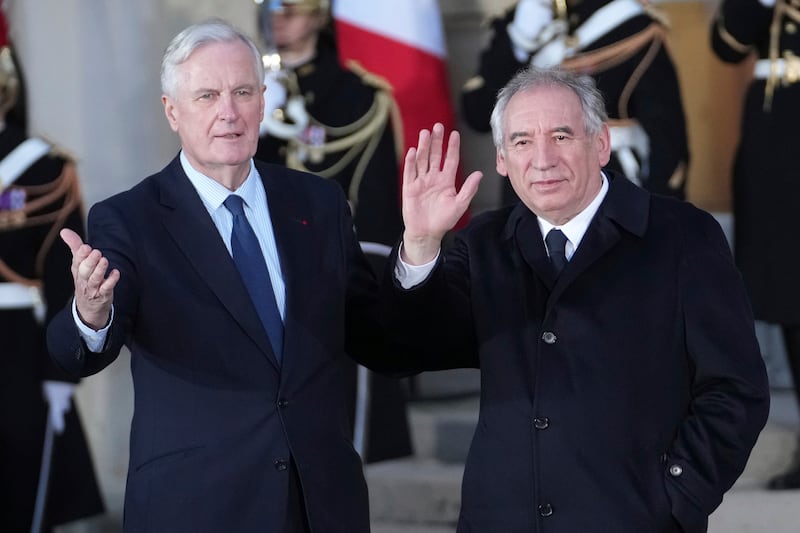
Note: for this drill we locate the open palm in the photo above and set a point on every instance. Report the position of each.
(431, 203)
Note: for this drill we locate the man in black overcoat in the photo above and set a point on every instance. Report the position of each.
(622, 388)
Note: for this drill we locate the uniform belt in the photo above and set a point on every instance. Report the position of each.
(19, 296)
(785, 69)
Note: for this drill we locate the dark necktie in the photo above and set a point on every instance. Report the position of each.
(253, 268)
(556, 243)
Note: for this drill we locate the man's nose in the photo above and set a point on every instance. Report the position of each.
(542, 155)
(227, 109)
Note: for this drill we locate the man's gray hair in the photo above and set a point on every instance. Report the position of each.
(186, 42)
(592, 103)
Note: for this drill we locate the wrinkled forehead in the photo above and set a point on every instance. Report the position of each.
(545, 106)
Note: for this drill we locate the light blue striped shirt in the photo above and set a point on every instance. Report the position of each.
(256, 209)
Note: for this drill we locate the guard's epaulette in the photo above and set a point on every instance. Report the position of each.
(367, 77)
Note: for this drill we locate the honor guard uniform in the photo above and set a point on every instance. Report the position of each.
(765, 181)
(46, 473)
(342, 124)
(622, 44)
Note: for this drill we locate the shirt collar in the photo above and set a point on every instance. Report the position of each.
(213, 193)
(577, 225)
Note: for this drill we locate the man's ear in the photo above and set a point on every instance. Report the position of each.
(170, 112)
(500, 162)
(604, 146)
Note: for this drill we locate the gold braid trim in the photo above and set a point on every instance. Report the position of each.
(8, 274)
(781, 9)
(638, 72)
(678, 177)
(382, 84)
(72, 201)
(65, 188)
(610, 56)
(774, 45)
(729, 39)
(357, 139)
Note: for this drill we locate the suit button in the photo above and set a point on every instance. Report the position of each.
(545, 509)
(549, 337)
(283, 403)
(281, 465)
(541, 422)
(675, 470)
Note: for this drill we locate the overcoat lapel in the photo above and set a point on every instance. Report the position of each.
(187, 221)
(625, 208)
(524, 228)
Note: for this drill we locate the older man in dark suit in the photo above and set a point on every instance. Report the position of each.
(239, 287)
(622, 387)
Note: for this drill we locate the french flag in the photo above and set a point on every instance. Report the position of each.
(404, 43)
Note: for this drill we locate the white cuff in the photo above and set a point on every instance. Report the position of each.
(95, 340)
(412, 275)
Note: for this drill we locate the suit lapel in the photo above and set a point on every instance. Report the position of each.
(294, 227)
(187, 221)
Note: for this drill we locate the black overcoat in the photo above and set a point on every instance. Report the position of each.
(625, 396)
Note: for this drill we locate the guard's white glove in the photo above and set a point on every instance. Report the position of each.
(530, 18)
(59, 399)
(767, 3)
(274, 97)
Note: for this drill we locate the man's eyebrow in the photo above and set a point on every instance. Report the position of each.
(558, 129)
(202, 90)
(563, 129)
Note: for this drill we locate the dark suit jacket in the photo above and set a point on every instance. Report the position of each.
(622, 397)
(218, 427)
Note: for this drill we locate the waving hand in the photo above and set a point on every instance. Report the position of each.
(431, 203)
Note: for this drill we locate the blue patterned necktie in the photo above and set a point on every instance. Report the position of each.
(556, 247)
(253, 268)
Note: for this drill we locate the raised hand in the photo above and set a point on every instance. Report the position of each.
(431, 203)
(94, 291)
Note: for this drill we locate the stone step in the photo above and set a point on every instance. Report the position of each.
(772, 454)
(380, 527)
(414, 491)
(756, 510)
(442, 431)
(425, 490)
